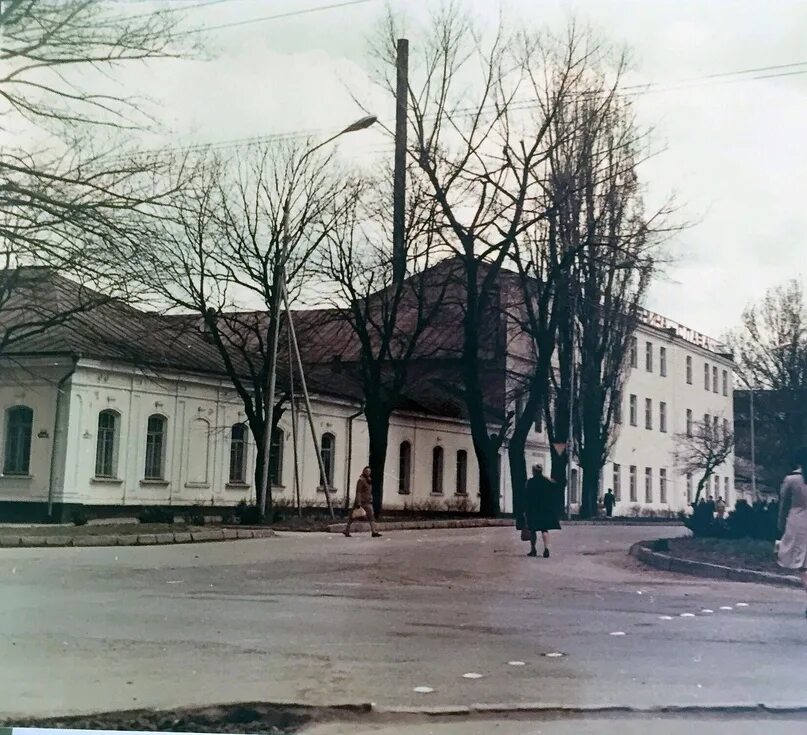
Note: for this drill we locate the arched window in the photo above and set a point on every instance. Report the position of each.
(276, 458)
(155, 448)
(462, 472)
(238, 454)
(106, 446)
(404, 468)
(19, 425)
(437, 471)
(327, 451)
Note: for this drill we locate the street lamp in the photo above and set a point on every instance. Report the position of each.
(280, 295)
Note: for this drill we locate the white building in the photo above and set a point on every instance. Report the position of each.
(117, 410)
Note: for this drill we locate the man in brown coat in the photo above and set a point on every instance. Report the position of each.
(364, 500)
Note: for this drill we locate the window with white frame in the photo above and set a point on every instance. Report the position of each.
(327, 451)
(714, 379)
(725, 382)
(689, 369)
(462, 472)
(574, 490)
(437, 471)
(726, 490)
(617, 402)
(238, 454)
(648, 357)
(19, 427)
(689, 422)
(662, 361)
(106, 444)
(648, 484)
(662, 416)
(634, 410)
(725, 428)
(404, 468)
(689, 488)
(662, 485)
(276, 458)
(155, 448)
(707, 424)
(634, 496)
(648, 413)
(634, 357)
(617, 481)
(706, 375)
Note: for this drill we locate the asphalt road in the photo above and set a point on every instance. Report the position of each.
(322, 619)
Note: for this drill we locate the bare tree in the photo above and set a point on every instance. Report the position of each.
(64, 204)
(387, 317)
(218, 260)
(478, 134)
(700, 452)
(770, 348)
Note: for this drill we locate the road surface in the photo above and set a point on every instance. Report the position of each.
(416, 618)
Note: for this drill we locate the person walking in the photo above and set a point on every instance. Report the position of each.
(541, 510)
(792, 548)
(609, 501)
(363, 500)
(720, 507)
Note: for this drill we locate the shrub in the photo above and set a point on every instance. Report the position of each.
(195, 516)
(247, 514)
(635, 511)
(156, 514)
(79, 518)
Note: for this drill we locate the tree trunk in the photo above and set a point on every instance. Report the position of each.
(487, 460)
(590, 465)
(259, 460)
(591, 490)
(701, 485)
(518, 473)
(378, 430)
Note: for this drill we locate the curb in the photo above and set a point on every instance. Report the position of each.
(133, 539)
(668, 563)
(607, 709)
(425, 525)
(483, 523)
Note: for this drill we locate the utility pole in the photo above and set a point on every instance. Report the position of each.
(399, 176)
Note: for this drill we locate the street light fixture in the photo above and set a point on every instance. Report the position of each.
(280, 295)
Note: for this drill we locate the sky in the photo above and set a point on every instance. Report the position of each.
(730, 149)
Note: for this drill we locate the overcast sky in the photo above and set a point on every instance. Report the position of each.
(733, 147)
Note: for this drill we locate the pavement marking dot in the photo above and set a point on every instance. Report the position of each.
(726, 607)
(554, 654)
(665, 617)
(618, 632)
(516, 663)
(707, 610)
(472, 675)
(741, 604)
(687, 615)
(423, 690)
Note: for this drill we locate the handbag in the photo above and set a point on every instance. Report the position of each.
(358, 514)
(525, 534)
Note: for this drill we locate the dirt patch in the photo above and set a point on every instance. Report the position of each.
(237, 718)
(753, 554)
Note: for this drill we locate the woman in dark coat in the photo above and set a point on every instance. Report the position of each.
(542, 509)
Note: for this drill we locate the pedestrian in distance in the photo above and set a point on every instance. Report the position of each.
(720, 507)
(792, 548)
(541, 510)
(363, 504)
(710, 506)
(610, 501)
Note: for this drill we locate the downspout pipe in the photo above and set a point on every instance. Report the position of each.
(56, 422)
(350, 451)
